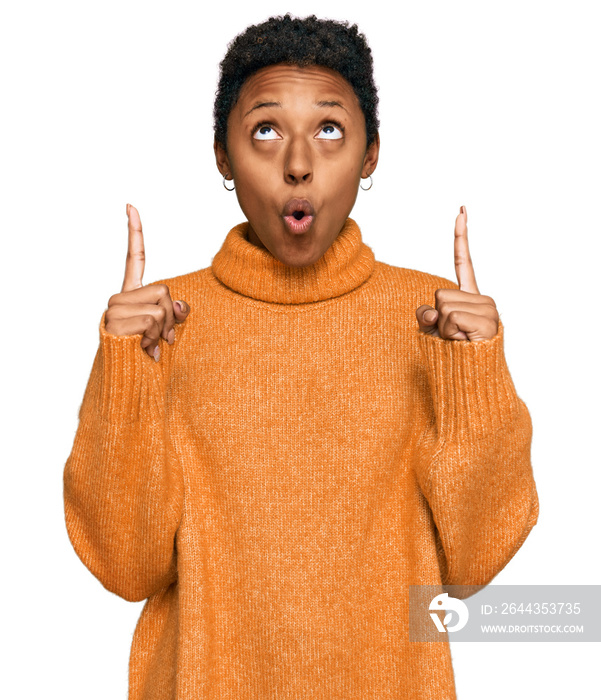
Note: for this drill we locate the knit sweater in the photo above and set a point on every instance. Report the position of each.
(296, 459)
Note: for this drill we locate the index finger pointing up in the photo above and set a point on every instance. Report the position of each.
(463, 262)
(134, 264)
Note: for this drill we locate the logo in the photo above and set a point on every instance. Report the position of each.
(449, 605)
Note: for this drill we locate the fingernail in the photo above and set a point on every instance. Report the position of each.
(180, 306)
(171, 336)
(429, 316)
(157, 353)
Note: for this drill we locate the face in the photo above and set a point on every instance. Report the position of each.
(296, 151)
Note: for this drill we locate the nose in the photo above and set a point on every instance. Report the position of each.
(298, 166)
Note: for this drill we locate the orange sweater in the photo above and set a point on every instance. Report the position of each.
(296, 459)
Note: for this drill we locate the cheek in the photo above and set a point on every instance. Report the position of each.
(348, 163)
(259, 175)
(342, 179)
(254, 187)
(253, 172)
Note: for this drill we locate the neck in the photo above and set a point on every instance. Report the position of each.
(252, 237)
(250, 269)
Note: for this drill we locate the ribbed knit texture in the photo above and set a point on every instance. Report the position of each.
(298, 458)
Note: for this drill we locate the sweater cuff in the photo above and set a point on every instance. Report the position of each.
(132, 383)
(472, 391)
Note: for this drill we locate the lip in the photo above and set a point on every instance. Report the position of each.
(296, 204)
(293, 224)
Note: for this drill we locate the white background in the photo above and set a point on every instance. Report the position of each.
(491, 105)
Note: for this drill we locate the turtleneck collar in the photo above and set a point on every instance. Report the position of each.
(255, 272)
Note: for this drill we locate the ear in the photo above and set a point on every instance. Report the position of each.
(222, 160)
(371, 157)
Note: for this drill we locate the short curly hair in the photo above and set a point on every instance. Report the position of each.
(302, 42)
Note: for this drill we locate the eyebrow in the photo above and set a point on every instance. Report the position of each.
(263, 104)
(321, 103)
(330, 103)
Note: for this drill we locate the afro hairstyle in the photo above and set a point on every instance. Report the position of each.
(301, 42)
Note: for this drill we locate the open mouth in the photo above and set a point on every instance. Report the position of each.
(298, 215)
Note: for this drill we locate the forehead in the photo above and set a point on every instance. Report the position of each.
(280, 80)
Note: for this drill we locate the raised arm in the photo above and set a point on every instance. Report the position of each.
(473, 462)
(123, 490)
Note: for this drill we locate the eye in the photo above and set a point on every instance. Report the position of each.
(264, 132)
(331, 131)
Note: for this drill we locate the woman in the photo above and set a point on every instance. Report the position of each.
(300, 451)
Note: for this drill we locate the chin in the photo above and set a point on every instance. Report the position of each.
(297, 260)
(300, 256)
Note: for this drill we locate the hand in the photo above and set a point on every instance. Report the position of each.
(464, 313)
(137, 309)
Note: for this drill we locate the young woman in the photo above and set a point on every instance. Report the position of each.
(306, 432)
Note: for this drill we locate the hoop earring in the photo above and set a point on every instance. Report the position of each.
(371, 182)
(229, 189)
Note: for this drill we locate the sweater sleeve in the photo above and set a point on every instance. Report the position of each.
(123, 490)
(473, 462)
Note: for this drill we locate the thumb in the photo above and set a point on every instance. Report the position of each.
(181, 310)
(427, 318)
